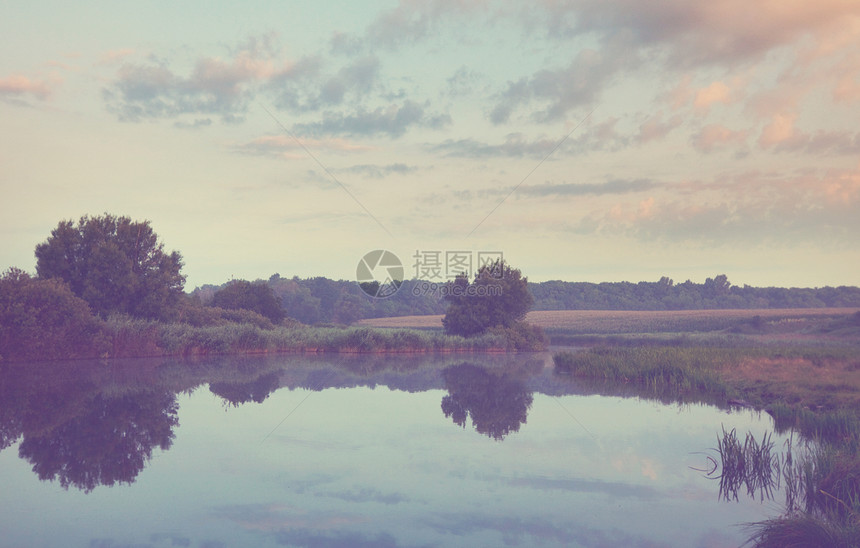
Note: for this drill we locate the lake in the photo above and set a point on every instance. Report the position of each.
(354, 451)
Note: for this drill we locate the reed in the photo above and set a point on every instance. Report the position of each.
(133, 337)
(657, 369)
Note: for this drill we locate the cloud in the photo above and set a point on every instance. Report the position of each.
(380, 172)
(716, 92)
(392, 120)
(462, 82)
(194, 124)
(779, 130)
(515, 146)
(655, 128)
(781, 135)
(616, 186)
(818, 207)
(599, 136)
(414, 20)
(215, 86)
(272, 518)
(304, 87)
(340, 539)
(367, 495)
(115, 56)
(715, 136)
(17, 87)
(580, 485)
(531, 531)
(559, 91)
(286, 147)
(701, 33)
(360, 77)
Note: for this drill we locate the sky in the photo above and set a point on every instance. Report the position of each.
(585, 140)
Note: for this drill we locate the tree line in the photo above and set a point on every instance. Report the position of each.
(323, 300)
(714, 293)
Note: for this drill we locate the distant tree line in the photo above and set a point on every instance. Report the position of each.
(321, 300)
(714, 293)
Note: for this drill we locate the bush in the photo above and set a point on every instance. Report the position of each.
(43, 319)
(523, 337)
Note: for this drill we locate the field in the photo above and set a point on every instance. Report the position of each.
(662, 321)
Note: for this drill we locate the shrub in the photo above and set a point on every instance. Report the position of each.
(523, 337)
(43, 319)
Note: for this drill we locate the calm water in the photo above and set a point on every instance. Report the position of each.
(353, 452)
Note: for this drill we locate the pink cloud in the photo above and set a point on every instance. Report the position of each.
(19, 86)
(715, 31)
(115, 56)
(714, 136)
(779, 130)
(781, 136)
(681, 94)
(213, 74)
(847, 76)
(655, 128)
(817, 206)
(717, 92)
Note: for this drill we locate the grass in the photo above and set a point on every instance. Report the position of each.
(812, 376)
(135, 338)
(680, 372)
(839, 426)
(589, 322)
(822, 500)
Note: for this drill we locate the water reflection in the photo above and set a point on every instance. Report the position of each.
(85, 424)
(79, 430)
(371, 459)
(497, 403)
(108, 442)
(751, 466)
(237, 393)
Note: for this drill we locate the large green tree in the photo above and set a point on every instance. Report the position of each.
(257, 297)
(115, 264)
(497, 297)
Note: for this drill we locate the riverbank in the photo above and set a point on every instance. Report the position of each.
(135, 338)
(809, 385)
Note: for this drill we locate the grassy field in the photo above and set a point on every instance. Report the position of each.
(621, 321)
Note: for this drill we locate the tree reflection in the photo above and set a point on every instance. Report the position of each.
(498, 404)
(109, 443)
(237, 393)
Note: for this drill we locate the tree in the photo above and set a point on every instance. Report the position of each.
(257, 297)
(115, 264)
(498, 297)
(43, 319)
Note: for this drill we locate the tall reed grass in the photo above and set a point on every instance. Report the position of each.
(134, 337)
(657, 369)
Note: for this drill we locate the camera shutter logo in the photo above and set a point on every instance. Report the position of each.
(379, 273)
